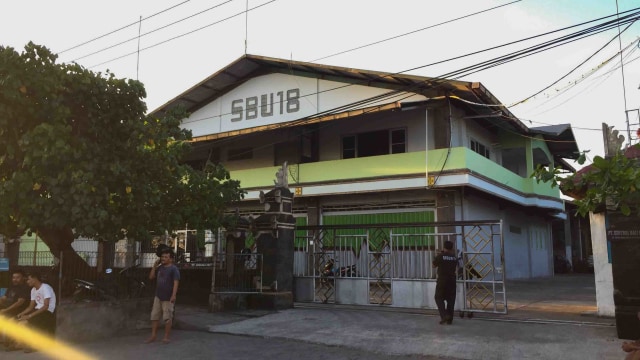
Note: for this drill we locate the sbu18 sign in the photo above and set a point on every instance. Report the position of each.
(266, 105)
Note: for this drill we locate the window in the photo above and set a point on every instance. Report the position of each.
(480, 148)
(373, 143)
(240, 154)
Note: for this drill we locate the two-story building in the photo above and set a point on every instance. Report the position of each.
(373, 147)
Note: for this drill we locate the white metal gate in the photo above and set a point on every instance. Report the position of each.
(359, 264)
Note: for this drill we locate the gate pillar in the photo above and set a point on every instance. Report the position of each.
(275, 235)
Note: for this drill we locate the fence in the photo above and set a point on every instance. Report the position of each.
(125, 279)
(238, 273)
(407, 255)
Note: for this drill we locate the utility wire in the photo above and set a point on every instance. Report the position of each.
(495, 61)
(182, 35)
(151, 32)
(122, 28)
(563, 40)
(578, 66)
(414, 31)
(439, 82)
(584, 77)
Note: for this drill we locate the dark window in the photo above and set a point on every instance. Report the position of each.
(480, 149)
(240, 154)
(348, 147)
(398, 141)
(373, 143)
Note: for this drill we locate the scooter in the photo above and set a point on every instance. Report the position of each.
(110, 288)
(329, 271)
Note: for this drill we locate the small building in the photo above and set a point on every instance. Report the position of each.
(374, 147)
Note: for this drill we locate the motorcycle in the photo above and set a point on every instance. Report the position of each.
(111, 287)
(329, 272)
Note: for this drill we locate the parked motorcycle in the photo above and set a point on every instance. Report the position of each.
(329, 272)
(111, 287)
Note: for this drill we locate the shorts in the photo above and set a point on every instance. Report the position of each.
(161, 309)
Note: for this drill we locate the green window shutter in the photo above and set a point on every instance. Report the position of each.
(300, 236)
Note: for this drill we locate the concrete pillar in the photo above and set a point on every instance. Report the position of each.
(275, 241)
(601, 265)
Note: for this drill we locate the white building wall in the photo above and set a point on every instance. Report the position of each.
(517, 248)
(330, 135)
(527, 239)
(287, 98)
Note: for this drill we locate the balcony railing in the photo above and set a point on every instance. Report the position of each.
(394, 165)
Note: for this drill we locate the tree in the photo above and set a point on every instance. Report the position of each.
(79, 157)
(612, 182)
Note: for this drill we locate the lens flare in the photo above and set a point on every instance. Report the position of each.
(43, 343)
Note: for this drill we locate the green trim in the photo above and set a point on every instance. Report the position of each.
(384, 167)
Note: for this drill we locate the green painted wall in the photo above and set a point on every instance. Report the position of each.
(459, 158)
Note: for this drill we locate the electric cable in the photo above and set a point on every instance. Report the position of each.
(415, 31)
(151, 31)
(459, 73)
(576, 67)
(560, 92)
(182, 35)
(510, 57)
(122, 28)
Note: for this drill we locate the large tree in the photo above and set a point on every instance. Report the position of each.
(80, 157)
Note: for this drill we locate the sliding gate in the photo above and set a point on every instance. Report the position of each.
(391, 264)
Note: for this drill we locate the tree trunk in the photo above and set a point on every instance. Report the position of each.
(73, 266)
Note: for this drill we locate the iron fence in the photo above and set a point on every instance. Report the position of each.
(237, 273)
(117, 274)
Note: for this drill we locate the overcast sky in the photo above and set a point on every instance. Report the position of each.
(307, 30)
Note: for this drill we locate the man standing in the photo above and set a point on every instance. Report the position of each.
(446, 262)
(168, 277)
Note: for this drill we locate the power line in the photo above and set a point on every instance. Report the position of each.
(578, 66)
(152, 31)
(584, 77)
(515, 42)
(182, 35)
(493, 62)
(414, 31)
(440, 81)
(122, 28)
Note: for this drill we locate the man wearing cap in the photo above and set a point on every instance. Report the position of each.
(446, 262)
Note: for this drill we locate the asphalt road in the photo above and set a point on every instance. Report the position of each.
(203, 345)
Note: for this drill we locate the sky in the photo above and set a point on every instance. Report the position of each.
(176, 54)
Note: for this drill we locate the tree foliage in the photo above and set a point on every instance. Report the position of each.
(613, 183)
(79, 155)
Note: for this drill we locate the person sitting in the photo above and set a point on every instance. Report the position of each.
(40, 312)
(15, 300)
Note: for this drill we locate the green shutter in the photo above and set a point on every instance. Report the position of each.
(383, 218)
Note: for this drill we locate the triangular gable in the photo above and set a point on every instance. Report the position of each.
(280, 98)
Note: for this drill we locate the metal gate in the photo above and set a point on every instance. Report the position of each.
(482, 268)
(361, 263)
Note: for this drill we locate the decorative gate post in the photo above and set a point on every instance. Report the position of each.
(275, 235)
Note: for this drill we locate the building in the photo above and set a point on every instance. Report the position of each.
(372, 147)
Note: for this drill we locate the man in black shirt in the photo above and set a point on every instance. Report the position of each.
(16, 299)
(17, 296)
(446, 262)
